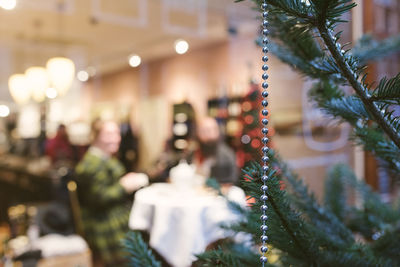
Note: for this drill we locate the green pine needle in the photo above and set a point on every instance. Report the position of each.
(388, 90)
(139, 254)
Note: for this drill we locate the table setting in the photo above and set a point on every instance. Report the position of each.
(184, 216)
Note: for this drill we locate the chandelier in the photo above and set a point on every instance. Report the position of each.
(40, 82)
(59, 75)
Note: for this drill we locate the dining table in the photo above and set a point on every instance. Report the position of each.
(182, 222)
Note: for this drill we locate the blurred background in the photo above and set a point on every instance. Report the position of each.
(155, 66)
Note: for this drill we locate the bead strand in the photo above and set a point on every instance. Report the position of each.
(265, 140)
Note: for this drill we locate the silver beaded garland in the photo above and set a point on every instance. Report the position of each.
(264, 188)
(264, 238)
(265, 139)
(265, 150)
(264, 260)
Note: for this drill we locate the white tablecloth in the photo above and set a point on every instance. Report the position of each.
(181, 223)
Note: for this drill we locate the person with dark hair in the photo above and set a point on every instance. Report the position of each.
(129, 147)
(59, 149)
(213, 158)
(104, 190)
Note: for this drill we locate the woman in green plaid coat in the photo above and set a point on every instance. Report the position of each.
(104, 191)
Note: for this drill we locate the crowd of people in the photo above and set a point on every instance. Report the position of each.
(106, 186)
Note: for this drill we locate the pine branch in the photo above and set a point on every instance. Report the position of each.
(283, 220)
(350, 108)
(358, 87)
(288, 229)
(330, 11)
(368, 49)
(372, 217)
(372, 139)
(329, 232)
(139, 254)
(324, 91)
(294, 8)
(335, 192)
(387, 246)
(228, 254)
(305, 232)
(388, 89)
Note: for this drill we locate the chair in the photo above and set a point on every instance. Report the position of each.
(75, 207)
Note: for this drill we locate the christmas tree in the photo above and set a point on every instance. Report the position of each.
(250, 135)
(336, 232)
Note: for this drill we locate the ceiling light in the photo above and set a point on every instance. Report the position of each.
(8, 4)
(134, 61)
(51, 93)
(181, 46)
(19, 89)
(4, 111)
(61, 71)
(83, 76)
(37, 81)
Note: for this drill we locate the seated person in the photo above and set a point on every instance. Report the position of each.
(213, 158)
(104, 192)
(169, 158)
(59, 149)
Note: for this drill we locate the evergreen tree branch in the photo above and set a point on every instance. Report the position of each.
(368, 49)
(388, 89)
(285, 225)
(373, 140)
(283, 218)
(350, 108)
(294, 8)
(359, 88)
(139, 254)
(329, 98)
(335, 194)
(387, 246)
(228, 254)
(329, 230)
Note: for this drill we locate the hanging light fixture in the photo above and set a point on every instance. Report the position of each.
(19, 89)
(8, 4)
(37, 81)
(61, 71)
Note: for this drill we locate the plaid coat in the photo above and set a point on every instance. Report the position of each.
(104, 204)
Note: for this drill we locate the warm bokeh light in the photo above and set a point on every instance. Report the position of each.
(181, 46)
(82, 76)
(8, 4)
(4, 111)
(61, 72)
(51, 93)
(37, 81)
(134, 61)
(19, 89)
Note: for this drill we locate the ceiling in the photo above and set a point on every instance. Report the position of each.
(103, 33)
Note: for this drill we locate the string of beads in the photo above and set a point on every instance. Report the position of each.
(264, 130)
